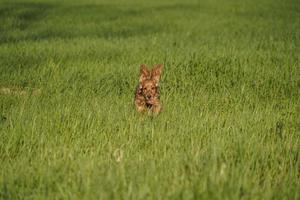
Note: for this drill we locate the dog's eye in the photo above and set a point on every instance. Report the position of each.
(153, 88)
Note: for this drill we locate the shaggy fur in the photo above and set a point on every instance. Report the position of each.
(147, 92)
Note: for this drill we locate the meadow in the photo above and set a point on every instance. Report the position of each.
(230, 126)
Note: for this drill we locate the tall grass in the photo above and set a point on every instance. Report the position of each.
(230, 126)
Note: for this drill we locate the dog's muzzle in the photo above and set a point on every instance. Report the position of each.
(148, 97)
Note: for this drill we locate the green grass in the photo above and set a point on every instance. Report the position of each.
(230, 126)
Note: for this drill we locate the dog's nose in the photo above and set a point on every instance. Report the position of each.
(148, 96)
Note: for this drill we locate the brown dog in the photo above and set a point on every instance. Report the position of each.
(147, 92)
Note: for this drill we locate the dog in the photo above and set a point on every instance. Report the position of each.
(147, 92)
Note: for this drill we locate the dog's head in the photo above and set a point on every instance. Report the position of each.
(149, 80)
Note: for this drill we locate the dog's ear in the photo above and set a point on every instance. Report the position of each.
(144, 73)
(156, 71)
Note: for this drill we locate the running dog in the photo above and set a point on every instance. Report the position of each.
(147, 92)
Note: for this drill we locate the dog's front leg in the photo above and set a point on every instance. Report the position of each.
(157, 108)
(139, 104)
(140, 109)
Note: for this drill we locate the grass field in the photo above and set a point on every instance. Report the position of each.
(230, 126)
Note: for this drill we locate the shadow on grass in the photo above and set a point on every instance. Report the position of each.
(19, 17)
(30, 22)
(41, 21)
